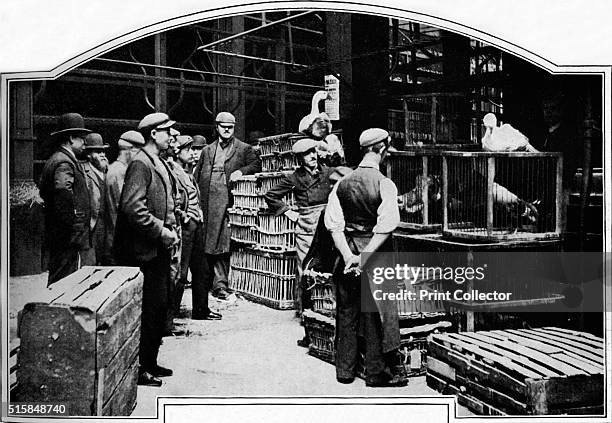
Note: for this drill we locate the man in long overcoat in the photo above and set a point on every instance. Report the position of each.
(221, 163)
(145, 235)
(64, 189)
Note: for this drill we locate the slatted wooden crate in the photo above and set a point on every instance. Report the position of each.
(276, 233)
(263, 277)
(79, 342)
(322, 292)
(277, 143)
(321, 331)
(527, 371)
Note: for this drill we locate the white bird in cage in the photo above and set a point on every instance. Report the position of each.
(504, 137)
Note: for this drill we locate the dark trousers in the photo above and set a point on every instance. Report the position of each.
(218, 270)
(62, 262)
(156, 300)
(350, 323)
(193, 258)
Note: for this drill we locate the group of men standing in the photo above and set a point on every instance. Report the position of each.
(151, 208)
(154, 209)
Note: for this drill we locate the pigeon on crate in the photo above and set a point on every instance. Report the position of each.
(504, 137)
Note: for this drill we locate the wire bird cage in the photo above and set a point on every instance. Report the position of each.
(492, 196)
(436, 118)
(418, 177)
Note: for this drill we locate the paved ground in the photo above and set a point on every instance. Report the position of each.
(251, 352)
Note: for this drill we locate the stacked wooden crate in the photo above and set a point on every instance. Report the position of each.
(262, 267)
(79, 343)
(528, 371)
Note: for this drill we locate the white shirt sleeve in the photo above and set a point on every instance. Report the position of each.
(334, 216)
(388, 211)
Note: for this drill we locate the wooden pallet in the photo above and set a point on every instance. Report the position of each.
(527, 371)
(79, 342)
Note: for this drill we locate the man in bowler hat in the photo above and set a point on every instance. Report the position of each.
(146, 235)
(63, 187)
(95, 166)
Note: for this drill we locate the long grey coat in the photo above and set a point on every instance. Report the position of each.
(242, 157)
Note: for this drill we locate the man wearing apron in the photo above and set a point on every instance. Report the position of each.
(311, 186)
(361, 214)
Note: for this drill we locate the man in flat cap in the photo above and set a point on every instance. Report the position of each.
(95, 166)
(63, 187)
(310, 185)
(128, 144)
(199, 142)
(145, 235)
(361, 214)
(221, 163)
(192, 253)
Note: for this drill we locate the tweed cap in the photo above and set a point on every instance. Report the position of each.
(199, 141)
(183, 141)
(130, 139)
(372, 136)
(94, 142)
(156, 120)
(303, 145)
(225, 117)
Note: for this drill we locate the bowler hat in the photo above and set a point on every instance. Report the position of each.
(303, 145)
(225, 117)
(133, 137)
(70, 123)
(93, 141)
(156, 120)
(198, 141)
(372, 136)
(183, 141)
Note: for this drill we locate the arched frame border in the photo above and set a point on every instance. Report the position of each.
(338, 6)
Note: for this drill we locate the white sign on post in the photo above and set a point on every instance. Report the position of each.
(332, 104)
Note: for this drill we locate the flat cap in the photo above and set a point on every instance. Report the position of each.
(130, 139)
(93, 141)
(183, 141)
(174, 132)
(225, 117)
(372, 136)
(156, 120)
(303, 145)
(199, 141)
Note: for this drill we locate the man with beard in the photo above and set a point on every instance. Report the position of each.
(221, 164)
(95, 166)
(361, 214)
(146, 235)
(64, 189)
(128, 144)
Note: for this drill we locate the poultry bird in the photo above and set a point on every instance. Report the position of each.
(504, 137)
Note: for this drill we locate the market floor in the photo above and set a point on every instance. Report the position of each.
(252, 351)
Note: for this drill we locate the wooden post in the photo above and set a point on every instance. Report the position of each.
(444, 194)
(560, 203)
(161, 94)
(407, 140)
(281, 89)
(21, 132)
(490, 187)
(434, 119)
(425, 191)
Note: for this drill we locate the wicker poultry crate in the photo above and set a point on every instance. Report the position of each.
(246, 185)
(321, 331)
(322, 292)
(243, 225)
(277, 143)
(248, 201)
(479, 191)
(265, 278)
(276, 233)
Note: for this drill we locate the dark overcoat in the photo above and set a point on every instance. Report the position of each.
(142, 211)
(241, 157)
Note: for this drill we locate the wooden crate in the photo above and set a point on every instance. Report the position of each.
(321, 331)
(322, 292)
(528, 371)
(79, 343)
